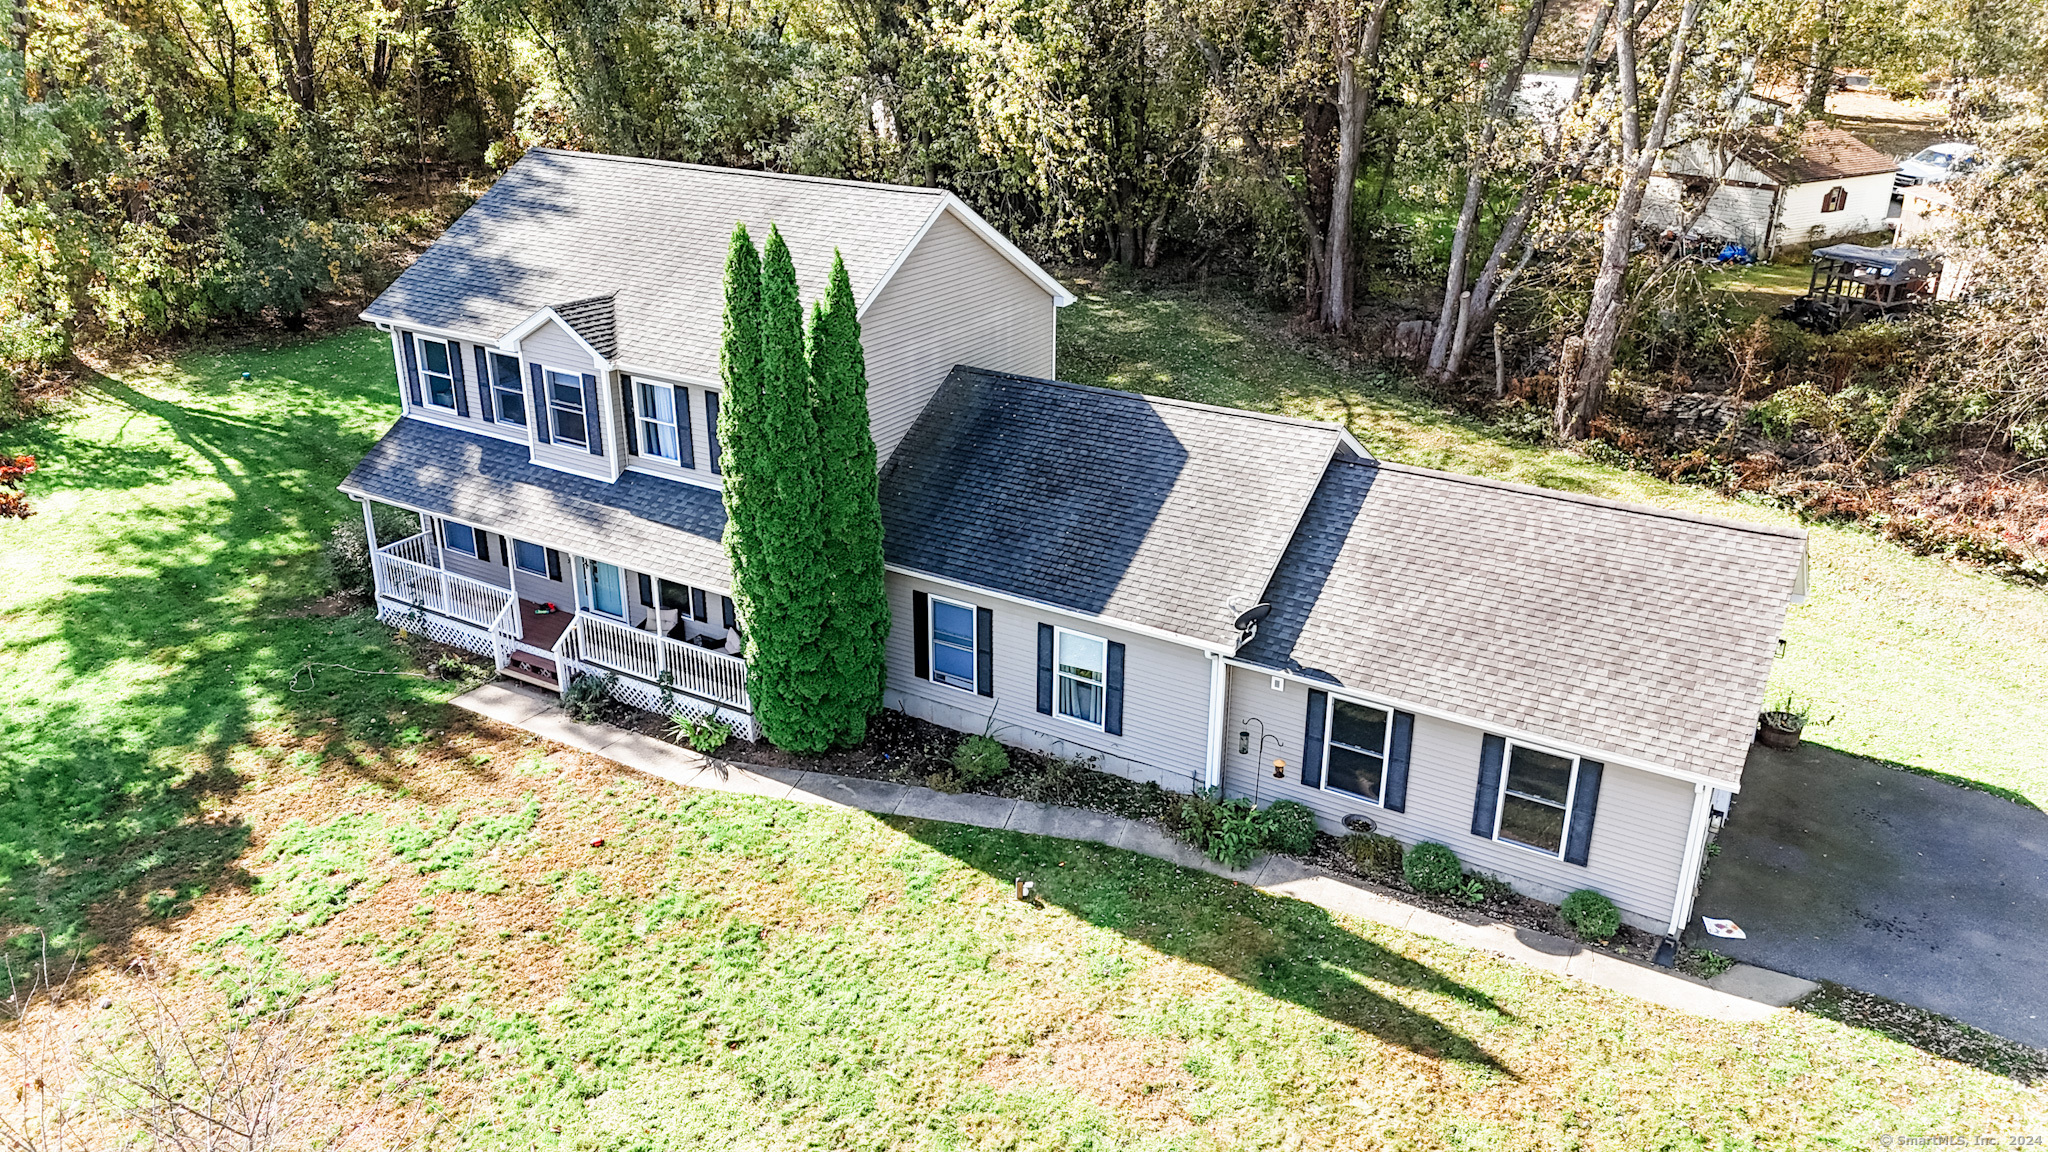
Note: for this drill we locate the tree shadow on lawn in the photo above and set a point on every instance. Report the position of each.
(136, 678)
(1282, 948)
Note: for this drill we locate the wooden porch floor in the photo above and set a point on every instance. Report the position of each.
(541, 631)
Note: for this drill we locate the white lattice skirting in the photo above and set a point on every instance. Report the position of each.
(435, 627)
(636, 693)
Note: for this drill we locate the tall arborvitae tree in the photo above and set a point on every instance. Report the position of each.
(849, 514)
(739, 366)
(788, 676)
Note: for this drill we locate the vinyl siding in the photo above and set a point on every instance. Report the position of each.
(1800, 220)
(474, 422)
(955, 300)
(1639, 832)
(1166, 691)
(553, 346)
(1739, 214)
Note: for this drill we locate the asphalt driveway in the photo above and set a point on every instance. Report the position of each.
(1900, 885)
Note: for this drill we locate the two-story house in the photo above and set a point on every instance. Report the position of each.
(1559, 687)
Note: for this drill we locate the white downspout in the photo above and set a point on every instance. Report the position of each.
(1689, 868)
(1218, 685)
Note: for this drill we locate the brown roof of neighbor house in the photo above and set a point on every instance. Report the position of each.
(1825, 153)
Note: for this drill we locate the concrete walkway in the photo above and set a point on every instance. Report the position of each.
(1743, 993)
(1900, 885)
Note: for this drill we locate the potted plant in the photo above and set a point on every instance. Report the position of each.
(1780, 727)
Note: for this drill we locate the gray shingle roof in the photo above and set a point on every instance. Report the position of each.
(1638, 631)
(593, 319)
(672, 528)
(566, 226)
(1148, 511)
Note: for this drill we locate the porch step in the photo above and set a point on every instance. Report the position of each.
(533, 669)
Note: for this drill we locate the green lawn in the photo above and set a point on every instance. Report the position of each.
(144, 616)
(1762, 289)
(1908, 659)
(728, 971)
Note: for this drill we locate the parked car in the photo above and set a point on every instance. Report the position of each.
(1937, 163)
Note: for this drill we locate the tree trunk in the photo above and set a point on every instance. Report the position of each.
(1496, 108)
(1354, 104)
(303, 87)
(1494, 277)
(1639, 156)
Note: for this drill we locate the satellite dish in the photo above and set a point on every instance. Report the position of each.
(1250, 617)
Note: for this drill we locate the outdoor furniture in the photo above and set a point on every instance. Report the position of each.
(1852, 283)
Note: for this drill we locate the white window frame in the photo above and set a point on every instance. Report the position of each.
(649, 419)
(1059, 634)
(449, 544)
(427, 377)
(500, 387)
(1386, 752)
(582, 437)
(541, 571)
(1500, 798)
(973, 641)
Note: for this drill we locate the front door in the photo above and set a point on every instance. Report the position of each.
(602, 590)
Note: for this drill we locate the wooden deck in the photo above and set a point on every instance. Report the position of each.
(537, 631)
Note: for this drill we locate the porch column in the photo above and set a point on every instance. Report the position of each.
(370, 532)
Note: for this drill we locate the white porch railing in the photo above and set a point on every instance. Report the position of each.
(471, 601)
(700, 672)
(418, 548)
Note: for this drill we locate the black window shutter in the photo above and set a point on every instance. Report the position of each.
(1491, 751)
(711, 429)
(646, 590)
(1045, 669)
(593, 419)
(698, 607)
(554, 565)
(686, 452)
(920, 635)
(504, 552)
(1578, 836)
(540, 410)
(1312, 739)
(1113, 693)
(1394, 797)
(484, 398)
(483, 544)
(461, 385)
(732, 619)
(412, 368)
(626, 398)
(985, 651)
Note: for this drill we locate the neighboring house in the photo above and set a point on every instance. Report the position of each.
(1559, 687)
(1829, 186)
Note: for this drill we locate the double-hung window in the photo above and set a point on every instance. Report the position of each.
(1081, 673)
(530, 558)
(459, 537)
(505, 389)
(565, 401)
(953, 644)
(1535, 795)
(658, 420)
(437, 373)
(1357, 749)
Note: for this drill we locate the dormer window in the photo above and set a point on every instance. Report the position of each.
(436, 371)
(511, 406)
(565, 401)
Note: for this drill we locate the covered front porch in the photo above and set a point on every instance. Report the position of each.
(547, 615)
